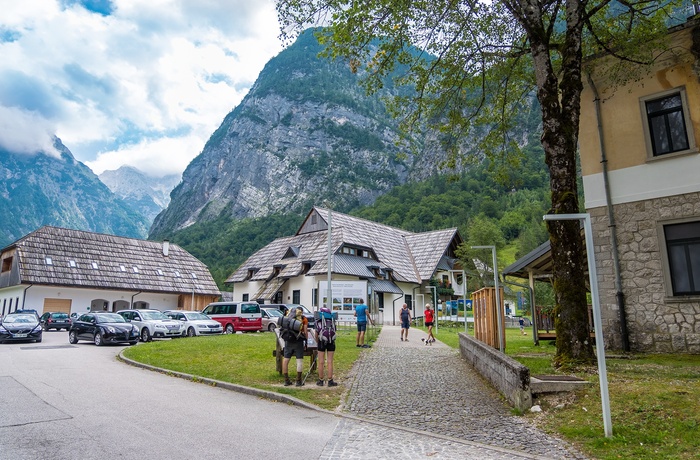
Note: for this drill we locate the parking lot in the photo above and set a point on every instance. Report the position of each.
(64, 401)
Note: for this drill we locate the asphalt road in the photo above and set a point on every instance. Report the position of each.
(63, 401)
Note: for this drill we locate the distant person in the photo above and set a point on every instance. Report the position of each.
(294, 344)
(521, 321)
(325, 338)
(405, 316)
(362, 319)
(429, 318)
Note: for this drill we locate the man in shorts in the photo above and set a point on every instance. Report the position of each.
(295, 346)
(362, 319)
(405, 316)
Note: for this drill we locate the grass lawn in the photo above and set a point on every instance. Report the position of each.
(654, 399)
(246, 359)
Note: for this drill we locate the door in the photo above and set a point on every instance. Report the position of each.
(60, 305)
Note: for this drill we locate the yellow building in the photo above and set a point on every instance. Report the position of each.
(641, 177)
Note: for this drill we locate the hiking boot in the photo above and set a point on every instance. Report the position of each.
(402, 339)
(331, 383)
(320, 383)
(299, 383)
(287, 382)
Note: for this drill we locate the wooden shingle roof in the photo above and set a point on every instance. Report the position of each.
(412, 257)
(74, 258)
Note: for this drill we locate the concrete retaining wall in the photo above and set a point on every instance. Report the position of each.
(508, 376)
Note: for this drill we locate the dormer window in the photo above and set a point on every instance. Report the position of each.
(350, 251)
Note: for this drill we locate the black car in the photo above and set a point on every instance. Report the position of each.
(55, 320)
(102, 328)
(20, 327)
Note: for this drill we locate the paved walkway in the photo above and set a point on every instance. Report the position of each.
(425, 401)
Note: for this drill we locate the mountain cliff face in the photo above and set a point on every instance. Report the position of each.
(147, 195)
(305, 134)
(41, 189)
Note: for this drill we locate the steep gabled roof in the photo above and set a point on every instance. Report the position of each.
(411, 257)
(64, 257)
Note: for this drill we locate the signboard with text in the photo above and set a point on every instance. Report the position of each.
(345, 296)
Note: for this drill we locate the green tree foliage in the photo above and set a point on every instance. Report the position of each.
(489, 58)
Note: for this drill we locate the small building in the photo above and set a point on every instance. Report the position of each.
(379, 265)
(58, 269)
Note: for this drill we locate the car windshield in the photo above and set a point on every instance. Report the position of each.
(59, 316)
(10, 319)
(195, 315)
(153, 315)
(109, 318)
(273, 312)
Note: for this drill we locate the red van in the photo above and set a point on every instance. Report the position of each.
(236, 316)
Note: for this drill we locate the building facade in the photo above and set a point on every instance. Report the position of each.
(641, 177)
(380, 265)
(58, 269)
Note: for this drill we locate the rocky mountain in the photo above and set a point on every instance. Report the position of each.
(147, 195)
(43, 189)
(305, 134)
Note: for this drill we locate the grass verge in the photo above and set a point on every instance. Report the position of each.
(246, 359)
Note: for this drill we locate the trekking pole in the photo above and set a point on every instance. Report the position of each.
(310, 367)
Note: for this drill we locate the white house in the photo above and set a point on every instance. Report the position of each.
(57, 269)
(380, 265)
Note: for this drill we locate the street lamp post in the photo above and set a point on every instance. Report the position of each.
(597, 319)
(499, 310)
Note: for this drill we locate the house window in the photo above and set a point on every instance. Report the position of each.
(296, 296)
(683, 249)
(314, 297)
(667, 125)
(246, 297)
(7, 265)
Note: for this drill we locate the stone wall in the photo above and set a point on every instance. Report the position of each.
(508, 376)
(656, 321)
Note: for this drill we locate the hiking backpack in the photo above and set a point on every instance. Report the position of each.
(290, 328)
(326, 326)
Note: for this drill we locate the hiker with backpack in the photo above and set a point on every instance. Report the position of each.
(293, 332)
(325, 338)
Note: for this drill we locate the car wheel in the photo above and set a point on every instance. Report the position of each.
(271, 327)
(44, 328)
(38, 340)
(72, 337)
(145, 335)
(229, 329)
(98, 339)
(191, 332)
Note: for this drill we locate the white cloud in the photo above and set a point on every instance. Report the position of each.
(150, 74)
(26, 132)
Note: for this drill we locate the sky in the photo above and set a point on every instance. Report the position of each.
(142, 83)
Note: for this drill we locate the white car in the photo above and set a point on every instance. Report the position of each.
(153, 324)
(196, 323)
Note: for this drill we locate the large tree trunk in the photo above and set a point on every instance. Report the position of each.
(560, 101)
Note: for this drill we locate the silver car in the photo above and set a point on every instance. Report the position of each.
(269, 318)
(153, 323)
(196, 323)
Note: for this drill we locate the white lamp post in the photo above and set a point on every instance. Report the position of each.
(597, 319)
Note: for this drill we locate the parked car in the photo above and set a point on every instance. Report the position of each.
(20, 326)
(102, 328)
(27, 310)
(269, 318)
(196, 323)
(55, 320)
(153, 324)
(284, 308)
(236, 316)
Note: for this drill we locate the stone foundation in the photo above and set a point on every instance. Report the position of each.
(656, 321)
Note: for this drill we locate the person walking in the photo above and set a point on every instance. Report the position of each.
(429, 321)
(294, 344)
(362, 319)
(405, 316)
(325, 338)
(521, 321)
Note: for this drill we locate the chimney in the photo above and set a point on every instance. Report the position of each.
(166, 248)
